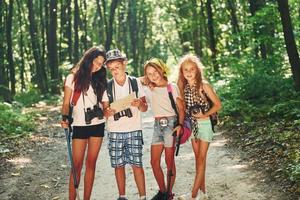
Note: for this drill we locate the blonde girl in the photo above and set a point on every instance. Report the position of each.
(155, 76)
(196, 91)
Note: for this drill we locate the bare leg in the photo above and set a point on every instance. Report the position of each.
(139, 178)
(196, 149)
(78, 150)
(156, 152)
(94, 145)
(169, 158)
(200, 159)
(120, 178)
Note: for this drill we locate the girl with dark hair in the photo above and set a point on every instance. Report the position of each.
(84, 89)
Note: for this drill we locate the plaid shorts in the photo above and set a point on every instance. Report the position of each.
(125, 147)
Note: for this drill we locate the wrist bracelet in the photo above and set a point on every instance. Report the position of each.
(64, 117)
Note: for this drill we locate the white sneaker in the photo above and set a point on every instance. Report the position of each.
(187, 196)
(203, 196)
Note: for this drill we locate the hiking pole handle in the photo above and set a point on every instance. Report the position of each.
(177, 145)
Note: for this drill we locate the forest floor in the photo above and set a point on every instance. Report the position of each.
(36, 167)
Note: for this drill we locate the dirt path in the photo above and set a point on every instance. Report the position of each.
(41, 171)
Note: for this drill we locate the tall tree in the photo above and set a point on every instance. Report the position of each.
(133, 31)
(69, 29)
(101, 22)
(21, 45)
(40, 76)
(113, 6)
(4, 85)
(52, 47)
(212, 40)
(256, 5)
(289, 39)
(10, 59)
(76, 30)
(231, 4)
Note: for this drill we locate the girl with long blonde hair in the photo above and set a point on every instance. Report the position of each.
(198, 94)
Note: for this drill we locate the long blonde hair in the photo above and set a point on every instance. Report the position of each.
(160, 67)
(194, 60)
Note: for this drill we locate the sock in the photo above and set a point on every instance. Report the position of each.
(123, 196)
(142, 197)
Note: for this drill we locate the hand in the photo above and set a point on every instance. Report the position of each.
(198, 115)
(136, 102)
(109, 112)
(64, 124)
(178, 130)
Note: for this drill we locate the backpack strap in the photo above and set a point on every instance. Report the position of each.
(169, 88)
(109, 90)
(76, 95)
(134, 85)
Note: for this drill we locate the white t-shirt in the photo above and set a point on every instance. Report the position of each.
(125, 124)
(90, 99)
(160, 102)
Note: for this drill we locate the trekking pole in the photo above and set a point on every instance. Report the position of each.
(178, 144)
(68, 137)
(170, 171)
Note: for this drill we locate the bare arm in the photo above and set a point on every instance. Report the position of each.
(66, 105)
(214, 98)
(107, 110)
(140, 103)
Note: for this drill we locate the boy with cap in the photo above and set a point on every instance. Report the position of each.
(124, 127)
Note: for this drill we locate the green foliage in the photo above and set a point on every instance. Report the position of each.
(13, 121)
(29, 97)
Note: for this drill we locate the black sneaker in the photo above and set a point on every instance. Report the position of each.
(122, 198)
(171, 196)
(160, 196)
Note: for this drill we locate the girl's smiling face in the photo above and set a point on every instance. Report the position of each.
(97, 63)
(189, 71)
(153, 75)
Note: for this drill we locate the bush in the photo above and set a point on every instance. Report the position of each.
(13, 121)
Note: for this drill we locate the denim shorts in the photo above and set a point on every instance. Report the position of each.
(205, 131)
(125, 147)
(164, 135)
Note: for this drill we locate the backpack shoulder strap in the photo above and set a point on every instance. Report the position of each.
(76, 95)
(134, 85)
(109, 90)
(169, 88)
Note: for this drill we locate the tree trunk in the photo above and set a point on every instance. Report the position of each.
(40, 75)
(133, 31)
(101, 23)
(212, 40)
(44, 15)
(9, 54)
(4, 86)
(195, 25)
(52, 48)
(109, 33)
(255, 5)
(289, 39)
(69, 30)
(76, 37)
(83, 23)
(21, 43)
(235, 26)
